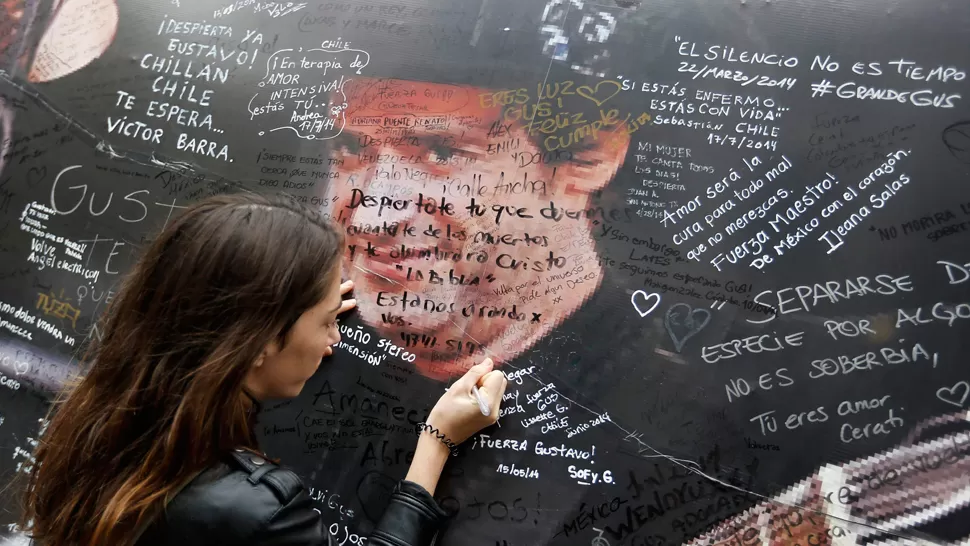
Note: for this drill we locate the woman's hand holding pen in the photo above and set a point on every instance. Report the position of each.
(470, 405)
(459, 413)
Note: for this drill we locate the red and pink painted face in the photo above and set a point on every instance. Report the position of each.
(482, 183)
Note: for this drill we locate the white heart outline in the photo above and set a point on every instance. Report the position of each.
(952, 390)
(633, 299)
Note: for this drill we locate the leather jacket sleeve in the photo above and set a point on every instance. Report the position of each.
(412, 518)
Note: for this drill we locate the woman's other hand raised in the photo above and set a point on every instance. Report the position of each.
(345, 305)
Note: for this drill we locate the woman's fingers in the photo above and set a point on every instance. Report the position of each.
(473, 374)
(347, 305)
(493, 385)
(493, 388)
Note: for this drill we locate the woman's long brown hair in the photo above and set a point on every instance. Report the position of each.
(163, 396)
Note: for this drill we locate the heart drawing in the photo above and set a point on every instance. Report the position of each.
(956, 137)
(683, 323)
(956, 395)
(588, 92)
(375, 490)
(647, 299)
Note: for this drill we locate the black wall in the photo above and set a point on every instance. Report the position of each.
(800, 378)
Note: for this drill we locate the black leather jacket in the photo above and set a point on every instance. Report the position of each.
(251, 501)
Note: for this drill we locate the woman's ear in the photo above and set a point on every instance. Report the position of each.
(268, 352)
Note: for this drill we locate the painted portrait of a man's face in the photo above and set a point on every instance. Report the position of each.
(516, 202)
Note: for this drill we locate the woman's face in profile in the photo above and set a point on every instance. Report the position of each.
(281, 371)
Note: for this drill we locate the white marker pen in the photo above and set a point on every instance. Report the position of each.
(482, 404)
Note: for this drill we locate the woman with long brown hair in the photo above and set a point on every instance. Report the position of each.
(235, 302)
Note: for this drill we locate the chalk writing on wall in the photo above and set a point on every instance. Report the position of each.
(720, 259)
